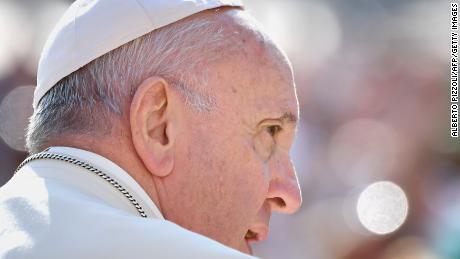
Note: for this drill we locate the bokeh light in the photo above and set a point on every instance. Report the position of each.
(15, 108)
(382, 207)
(364, 150)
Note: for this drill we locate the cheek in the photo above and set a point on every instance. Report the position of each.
(249, 175)
(226, 180)
(237, 178)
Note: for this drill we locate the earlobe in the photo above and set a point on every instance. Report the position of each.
(152, 123)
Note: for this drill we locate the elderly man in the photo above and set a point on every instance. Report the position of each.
(161, 129)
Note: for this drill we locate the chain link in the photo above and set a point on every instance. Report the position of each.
(71, 160)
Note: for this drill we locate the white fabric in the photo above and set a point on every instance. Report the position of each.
(53, 209)
(91, 28)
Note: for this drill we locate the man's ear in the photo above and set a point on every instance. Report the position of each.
(152, 123)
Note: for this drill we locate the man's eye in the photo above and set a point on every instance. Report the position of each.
(273, 130)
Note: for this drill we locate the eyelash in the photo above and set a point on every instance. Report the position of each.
(273, 130)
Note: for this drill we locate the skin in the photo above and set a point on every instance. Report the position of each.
(222, 173)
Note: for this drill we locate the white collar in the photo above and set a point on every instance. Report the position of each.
(113, 170)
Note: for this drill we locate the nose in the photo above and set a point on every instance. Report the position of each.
(284, 193)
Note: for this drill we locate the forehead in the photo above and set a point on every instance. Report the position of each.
(257, 88)
(257, 77)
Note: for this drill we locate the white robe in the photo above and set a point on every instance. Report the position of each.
(53, 209)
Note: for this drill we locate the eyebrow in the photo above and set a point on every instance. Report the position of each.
(289, 117)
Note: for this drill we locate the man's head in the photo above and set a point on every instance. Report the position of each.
(202, 113)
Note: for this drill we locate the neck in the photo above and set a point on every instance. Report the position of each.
(120, 151)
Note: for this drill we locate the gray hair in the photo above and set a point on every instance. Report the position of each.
(85, 101)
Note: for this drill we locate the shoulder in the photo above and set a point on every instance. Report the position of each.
(99, 234)
(135, 237)
(45, 219)
(168, 240)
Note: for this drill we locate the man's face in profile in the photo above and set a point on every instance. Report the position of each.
(232, 165)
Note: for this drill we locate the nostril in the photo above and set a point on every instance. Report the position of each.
(279, 202)
(284, 195)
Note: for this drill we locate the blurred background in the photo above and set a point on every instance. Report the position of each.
(379, 172)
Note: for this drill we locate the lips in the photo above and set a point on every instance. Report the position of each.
(258, 228)
(257, 233)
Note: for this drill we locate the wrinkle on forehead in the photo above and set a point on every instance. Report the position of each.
(254, 68)
(243, 31)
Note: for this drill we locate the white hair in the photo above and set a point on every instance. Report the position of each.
(85, 101)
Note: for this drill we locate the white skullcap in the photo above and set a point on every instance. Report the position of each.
(92, 28)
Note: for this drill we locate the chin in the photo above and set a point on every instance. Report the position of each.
(245, 247)
(248, 249)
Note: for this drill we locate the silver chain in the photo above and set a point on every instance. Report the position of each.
(74, 161)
